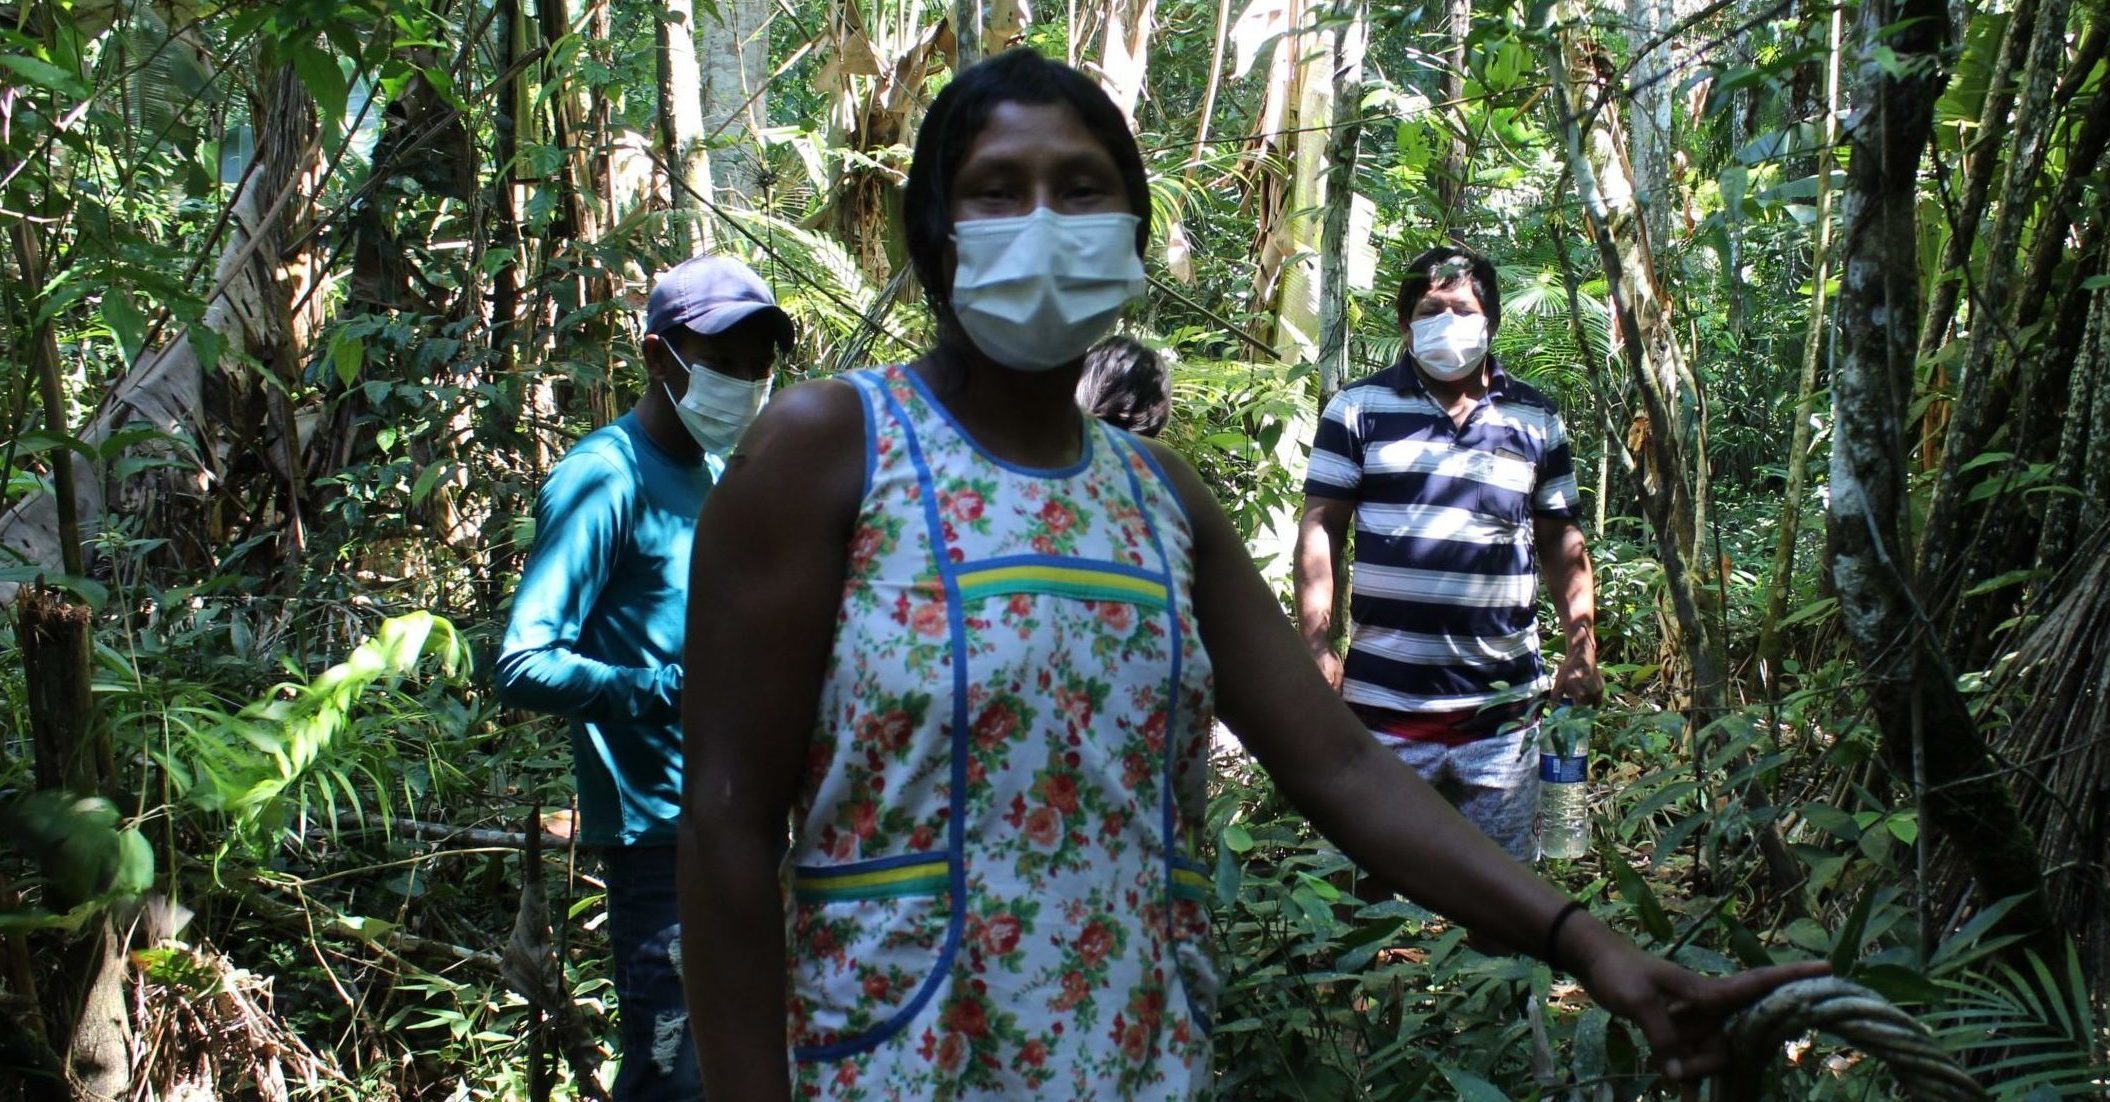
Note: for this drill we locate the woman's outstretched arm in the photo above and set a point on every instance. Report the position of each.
(1385, 817)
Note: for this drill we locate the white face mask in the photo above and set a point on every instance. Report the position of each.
(717, 407)
(1034, 292)
(1450, 346)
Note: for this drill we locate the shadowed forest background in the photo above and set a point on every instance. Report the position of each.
(302, 301)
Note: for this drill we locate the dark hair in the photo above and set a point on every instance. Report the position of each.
(1444, 266)
(1126, 385)
(956, 119)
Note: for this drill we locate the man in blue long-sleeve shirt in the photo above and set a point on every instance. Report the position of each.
(596, 633)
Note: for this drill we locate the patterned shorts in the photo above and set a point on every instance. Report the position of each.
(1494, 782)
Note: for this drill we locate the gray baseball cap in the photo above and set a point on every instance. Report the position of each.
(711, 294)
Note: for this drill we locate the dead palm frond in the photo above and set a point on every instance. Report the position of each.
(2058, 687)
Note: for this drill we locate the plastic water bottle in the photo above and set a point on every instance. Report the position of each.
(1564, 772)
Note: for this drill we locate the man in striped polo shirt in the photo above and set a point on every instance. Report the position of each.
(1462, 490)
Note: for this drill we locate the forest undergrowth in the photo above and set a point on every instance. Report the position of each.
(302, 301)
(332, 813)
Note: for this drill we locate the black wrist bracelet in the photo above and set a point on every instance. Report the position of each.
(1553, 932)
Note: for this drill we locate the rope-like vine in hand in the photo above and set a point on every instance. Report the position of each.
(1923, 1069)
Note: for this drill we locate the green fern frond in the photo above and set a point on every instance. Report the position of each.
(2037, 1029)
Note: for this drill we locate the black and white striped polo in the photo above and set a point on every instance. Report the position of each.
(1443, 611)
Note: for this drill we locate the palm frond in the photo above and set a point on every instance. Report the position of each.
(2036, 1029)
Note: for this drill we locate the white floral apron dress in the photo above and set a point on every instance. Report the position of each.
(992, 890)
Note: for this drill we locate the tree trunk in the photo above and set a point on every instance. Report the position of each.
(1288, 161)
(1770, 649)
(508, 191)
(1986, 371)
(248, 316)
(1928, 735)
(1608, 403)
(1302, 113)
(44, 350)
(1649, 121)
(99, 1051)
(54, 634)
(1178, 250)
(1457, 158)
(967, 30)
(1971, 543)
(1335, 245)
(2058, 685)
(2084, 446)
(568, 130)
(1649, 343)
(73, 754)
(735, 94)
(681, 123)
(1124, 54)
(1981, 162)
(876, 86)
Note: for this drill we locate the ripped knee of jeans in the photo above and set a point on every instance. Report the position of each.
(668, 1030)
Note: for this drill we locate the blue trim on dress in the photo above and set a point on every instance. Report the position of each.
(1171, 489)
(956, 918)
(930, 399)
(863, 381)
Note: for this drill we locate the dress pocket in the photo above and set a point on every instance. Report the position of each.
(866, 946)
(1192, 936)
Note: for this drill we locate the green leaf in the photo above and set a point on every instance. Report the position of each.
(1228, 877)
(1984, 459)
(1963, 946)
(126, 323)
(209, 346)
(39, 441)
(347, 356)
(1320, 888)
(325, 81)
(135, 864)
(1898, 983)
(45, 75)
(365, 928)
(87, 589)
(1811, 611)
(1991, 486)
(1745, 944)
(2012, 577)
(1470, 1087)
(1832, 821)
(124, 440)
(1238, 839)
(1361, 945)
(1636, 891)
(1846, 948)
(1733, 180)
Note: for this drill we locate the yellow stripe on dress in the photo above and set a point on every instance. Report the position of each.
(1084, 582)
(821, 885)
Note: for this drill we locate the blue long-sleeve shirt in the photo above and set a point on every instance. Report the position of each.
(598, 623)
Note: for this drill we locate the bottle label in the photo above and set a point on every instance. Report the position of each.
(1562, 769)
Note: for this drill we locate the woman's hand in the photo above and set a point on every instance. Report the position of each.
(1682, 1013)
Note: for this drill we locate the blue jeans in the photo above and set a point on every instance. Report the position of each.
(652, 1020)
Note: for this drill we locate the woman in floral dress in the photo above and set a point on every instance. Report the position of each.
(967, 642)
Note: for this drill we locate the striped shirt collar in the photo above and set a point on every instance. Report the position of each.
(1406, 380)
